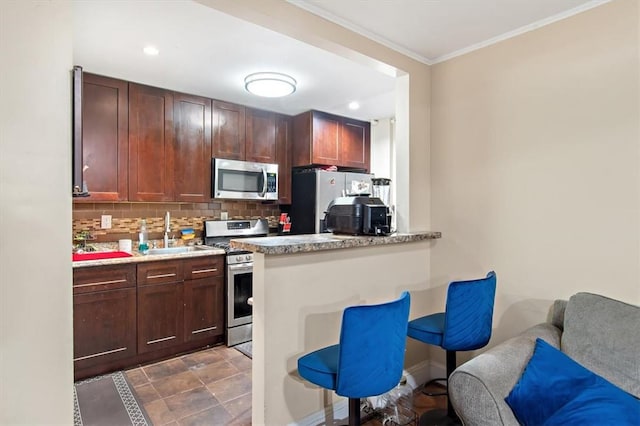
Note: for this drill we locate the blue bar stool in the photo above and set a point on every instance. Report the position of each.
(465, 325)
(369, 359)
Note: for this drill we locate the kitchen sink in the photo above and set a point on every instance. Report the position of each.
(177, 250)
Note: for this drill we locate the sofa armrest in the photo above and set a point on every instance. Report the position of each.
(478, 387)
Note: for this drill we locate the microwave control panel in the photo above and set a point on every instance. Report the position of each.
(272, 184)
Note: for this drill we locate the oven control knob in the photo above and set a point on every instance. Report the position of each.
(239, 258)
(247, 257)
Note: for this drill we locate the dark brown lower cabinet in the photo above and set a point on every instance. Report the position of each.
(203, 313)
(104, 315)
(160, 316)
(104, 326)
(124, 315)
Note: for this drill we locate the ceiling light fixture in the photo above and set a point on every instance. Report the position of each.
(270, 84)
(354, 105)
(151, 50)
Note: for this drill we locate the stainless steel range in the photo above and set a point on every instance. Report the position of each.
(239, 272)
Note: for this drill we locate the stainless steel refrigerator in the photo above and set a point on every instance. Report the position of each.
(313, 190)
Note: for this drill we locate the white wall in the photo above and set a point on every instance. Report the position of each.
(36, 369)
(382, 150)
(383, 156)
(535, 166)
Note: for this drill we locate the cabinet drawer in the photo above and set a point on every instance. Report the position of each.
(104, 327)
(159, 272)
(202, 267)
(100, 278)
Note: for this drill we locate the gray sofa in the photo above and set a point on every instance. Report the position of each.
(600, 333)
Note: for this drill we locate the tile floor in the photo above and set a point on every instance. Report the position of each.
(210, 387)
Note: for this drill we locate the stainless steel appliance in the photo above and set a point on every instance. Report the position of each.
(239, 272)
(313, 190)
(243, 180)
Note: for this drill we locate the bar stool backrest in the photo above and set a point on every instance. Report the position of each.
(469, 313)
(372, 344)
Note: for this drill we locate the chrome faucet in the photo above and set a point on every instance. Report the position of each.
(167, 229)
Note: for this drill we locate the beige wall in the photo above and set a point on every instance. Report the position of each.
(36, 371)
(535, 165)
(298, 305)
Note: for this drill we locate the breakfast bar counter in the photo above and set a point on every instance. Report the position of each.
(301, 286)
(317, 242)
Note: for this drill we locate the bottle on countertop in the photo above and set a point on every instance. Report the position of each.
(143, 238)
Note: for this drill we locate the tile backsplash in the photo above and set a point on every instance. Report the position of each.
(126, 217)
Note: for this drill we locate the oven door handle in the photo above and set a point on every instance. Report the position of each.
(245, 267)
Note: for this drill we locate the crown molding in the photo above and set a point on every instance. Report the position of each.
(309, 7)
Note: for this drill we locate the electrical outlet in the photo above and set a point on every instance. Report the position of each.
(105, 221)
(224, 216)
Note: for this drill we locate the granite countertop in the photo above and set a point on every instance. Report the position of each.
(138, 257)
(318, 242)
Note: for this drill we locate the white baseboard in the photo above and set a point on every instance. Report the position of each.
(416, 376)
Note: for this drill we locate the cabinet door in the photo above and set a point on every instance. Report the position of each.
(105, 126)
(228, 131)
(192, 159)
(160, 316)
(326, 139)
(260, 143)
(355, 141)
(283, 157)
(151, 144)
(204, 308)
(104, 327)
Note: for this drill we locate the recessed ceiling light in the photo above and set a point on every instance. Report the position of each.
(354, 105)
(151, 50)
(270, 84)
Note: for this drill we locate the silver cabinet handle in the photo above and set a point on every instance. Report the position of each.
(101, 283)
(202, 330)
(160, 276)
(204, 271)
(100, 354)
(164, 339)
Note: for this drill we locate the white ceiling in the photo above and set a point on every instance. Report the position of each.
(206, 52)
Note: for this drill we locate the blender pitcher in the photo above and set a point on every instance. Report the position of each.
(381, 188)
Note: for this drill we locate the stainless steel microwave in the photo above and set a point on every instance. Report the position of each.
(243, 180)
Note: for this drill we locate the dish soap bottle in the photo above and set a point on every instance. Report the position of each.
(143, 238)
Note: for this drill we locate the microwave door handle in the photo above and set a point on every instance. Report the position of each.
(264, 182)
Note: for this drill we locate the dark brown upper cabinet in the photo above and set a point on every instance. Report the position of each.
(228, 131)
(355, 143)
(192, 159)
(260, 132)
(326, 139)
(151, 144)
(283, 157)
(105, 126)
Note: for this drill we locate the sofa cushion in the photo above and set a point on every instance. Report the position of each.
(603, 335)
(554, 388)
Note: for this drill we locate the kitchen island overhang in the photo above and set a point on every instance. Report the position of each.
(301, 286)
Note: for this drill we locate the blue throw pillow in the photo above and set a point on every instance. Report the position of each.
(602, 404)
(554, 388)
